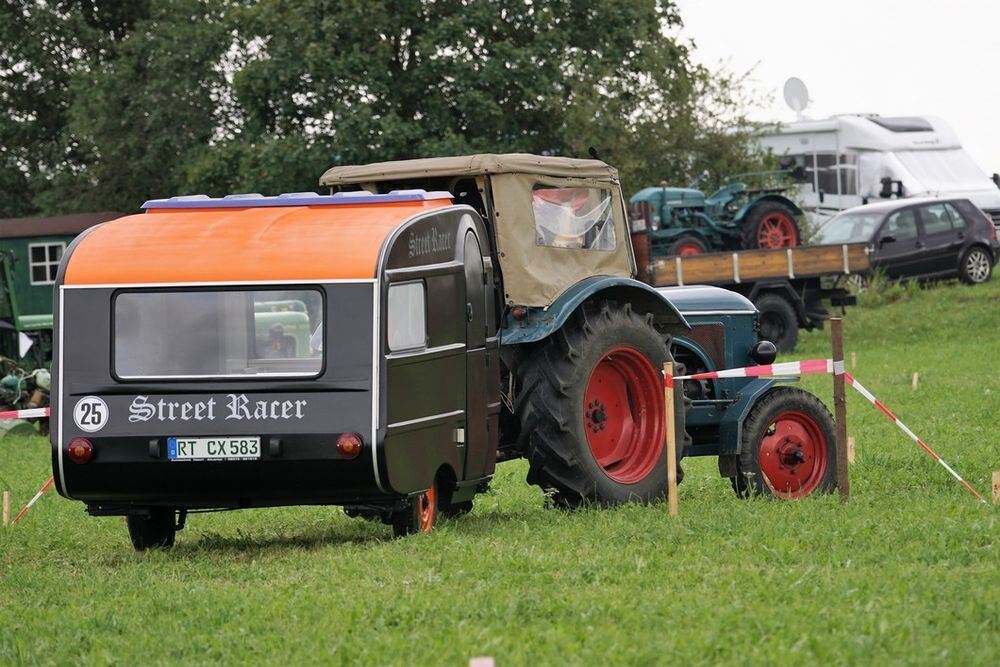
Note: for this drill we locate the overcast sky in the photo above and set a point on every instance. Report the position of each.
(891, 57)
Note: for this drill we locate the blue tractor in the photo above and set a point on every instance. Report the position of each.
(738, 216)
(581, 342)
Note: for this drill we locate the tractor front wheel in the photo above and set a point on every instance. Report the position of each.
(787, 447)
(770, 225)
(591, 409)
(687, 245)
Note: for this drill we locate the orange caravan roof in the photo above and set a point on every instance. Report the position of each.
(246, 239)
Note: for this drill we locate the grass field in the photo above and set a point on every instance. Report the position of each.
(907, 572)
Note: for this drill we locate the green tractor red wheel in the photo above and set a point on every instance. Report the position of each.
(687, 245)
(787, 449)
(770, 225)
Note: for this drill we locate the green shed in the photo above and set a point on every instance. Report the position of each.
(30, 251)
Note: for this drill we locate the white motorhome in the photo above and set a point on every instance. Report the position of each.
(850, 160)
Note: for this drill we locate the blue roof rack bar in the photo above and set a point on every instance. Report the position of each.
(254, 200)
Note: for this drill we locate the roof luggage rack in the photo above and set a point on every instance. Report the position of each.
(256, 200)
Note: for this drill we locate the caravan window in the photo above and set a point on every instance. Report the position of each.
(237, 333)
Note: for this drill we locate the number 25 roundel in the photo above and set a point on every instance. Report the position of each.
(90, 414)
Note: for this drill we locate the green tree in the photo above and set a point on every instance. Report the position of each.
(105, 104)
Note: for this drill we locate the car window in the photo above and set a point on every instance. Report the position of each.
(901, 225)
(957, 221)
(935, 218)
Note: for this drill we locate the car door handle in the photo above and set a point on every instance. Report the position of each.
(920, 245)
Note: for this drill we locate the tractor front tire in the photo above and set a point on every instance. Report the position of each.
(591, 409)
(770, 225)
(688, 244)
(788, 447)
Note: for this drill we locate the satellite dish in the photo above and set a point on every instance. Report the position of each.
(796, 95)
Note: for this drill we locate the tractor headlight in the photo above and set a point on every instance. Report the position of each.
(764, 353)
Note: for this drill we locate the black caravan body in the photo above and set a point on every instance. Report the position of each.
(217, 361)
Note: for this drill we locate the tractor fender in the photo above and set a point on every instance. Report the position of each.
(539, 323)
(733, 417)
(784, 289)
(746, 208)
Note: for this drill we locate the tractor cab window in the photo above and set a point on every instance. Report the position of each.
(573, 217)
(217, 334)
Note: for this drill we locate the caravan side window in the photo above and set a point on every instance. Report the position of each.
(826, 170)
(407, 316)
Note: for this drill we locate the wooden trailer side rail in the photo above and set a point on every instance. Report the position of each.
(751, 265)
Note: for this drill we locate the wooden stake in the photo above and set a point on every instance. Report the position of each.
(850, 449)
(854, 360)
(671, 437)
(6, 506)
(996, 486)
(916, 380)
(840, 407)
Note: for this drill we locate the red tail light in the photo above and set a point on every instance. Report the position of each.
(80, 450)
(349, 445)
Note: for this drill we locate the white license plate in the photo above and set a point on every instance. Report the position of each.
(227, 448)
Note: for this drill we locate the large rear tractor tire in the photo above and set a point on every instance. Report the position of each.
(591, 409)
(788, 447)
(770, 225)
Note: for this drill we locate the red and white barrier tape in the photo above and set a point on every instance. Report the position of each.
(821, 367)
(894, 419)
(807, 367)
(32, 413)
(31, 502)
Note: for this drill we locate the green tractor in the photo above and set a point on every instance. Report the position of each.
(683, 221)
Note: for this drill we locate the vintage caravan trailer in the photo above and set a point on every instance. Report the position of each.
(852, 160)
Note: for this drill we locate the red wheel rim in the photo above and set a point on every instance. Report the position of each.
(792, 455)
(623, 414)
(776, 230)
(690, 248)
(426, 509)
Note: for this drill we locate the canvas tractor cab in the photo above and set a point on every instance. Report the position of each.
(383, 346)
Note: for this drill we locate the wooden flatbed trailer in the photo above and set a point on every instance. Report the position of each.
(786, 285)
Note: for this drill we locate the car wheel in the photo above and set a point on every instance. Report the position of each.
(976, 266)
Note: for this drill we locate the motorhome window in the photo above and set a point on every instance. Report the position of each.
(407, 316)
(573, 217)
(957, 221)
(935, 218)
(849, 228)
(902, 226)
(217, 334)
(848, 174)
(43, 262)
(826, 172)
